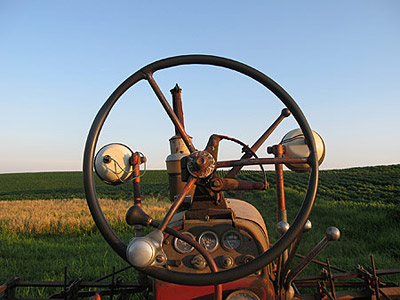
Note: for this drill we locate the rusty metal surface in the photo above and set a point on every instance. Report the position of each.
(201, 164)
(177, 106)
(230, 184)
(136, 181)
(175, 205)
(280, 187)
(258, 161)
(343, 275)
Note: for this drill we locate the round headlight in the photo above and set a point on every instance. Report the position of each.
(295, 147)
(113, 164)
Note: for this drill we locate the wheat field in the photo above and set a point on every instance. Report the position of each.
(67, 216)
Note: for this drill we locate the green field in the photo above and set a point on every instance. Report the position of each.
(363, 203)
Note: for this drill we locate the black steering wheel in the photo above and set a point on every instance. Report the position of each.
(146, 74)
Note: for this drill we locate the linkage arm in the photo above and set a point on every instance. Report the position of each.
(235, 170)
(178, 201)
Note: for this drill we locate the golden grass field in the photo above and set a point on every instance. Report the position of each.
(66, 216)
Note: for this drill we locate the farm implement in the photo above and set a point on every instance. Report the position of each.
(209, 245)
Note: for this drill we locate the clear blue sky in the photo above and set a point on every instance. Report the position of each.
(60, 60)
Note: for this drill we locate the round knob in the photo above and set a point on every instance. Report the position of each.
(226, 261)
(247, 258)
(198, 262)
(332, 234)
(307, 226)
(282, 227)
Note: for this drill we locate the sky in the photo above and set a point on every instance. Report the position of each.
(60, 60)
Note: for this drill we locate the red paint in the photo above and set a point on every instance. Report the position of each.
(169, 291)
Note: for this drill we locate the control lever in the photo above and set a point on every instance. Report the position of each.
(293, 249)
(331, 234)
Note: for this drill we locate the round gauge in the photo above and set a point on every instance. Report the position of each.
(243, 295)
(209, 240)
(231, 240)
(182, 246)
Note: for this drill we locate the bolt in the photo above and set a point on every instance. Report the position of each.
(248, 258)
(160, 258)
(216, 183)
(106, 159)
(200, 161)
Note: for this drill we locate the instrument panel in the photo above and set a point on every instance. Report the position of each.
(228, 245)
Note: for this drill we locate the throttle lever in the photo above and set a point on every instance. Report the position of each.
(331, 234)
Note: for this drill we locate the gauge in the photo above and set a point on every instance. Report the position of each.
(231, 240)
(209, 240)
(182, 246)
(243, 295)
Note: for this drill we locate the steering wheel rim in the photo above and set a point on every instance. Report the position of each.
(223, 276)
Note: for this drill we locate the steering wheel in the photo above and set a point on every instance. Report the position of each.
(146, 73)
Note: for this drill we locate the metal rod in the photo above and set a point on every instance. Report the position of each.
(116, 272)
(136, 160)
(177, 123)
(376, 279)
(284, 113)
(291, 255)
(326, 293)
(323, 264)
(280, 186)
(306, 261)
(136, 180)
(331, 279)
(65, 283)
(177, 105)
(263, 161)
(178, 201)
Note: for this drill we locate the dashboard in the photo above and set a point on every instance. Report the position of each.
(230, 246)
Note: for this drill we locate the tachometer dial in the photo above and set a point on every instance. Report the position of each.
(209, 240)
(182, 246)
(231, 240)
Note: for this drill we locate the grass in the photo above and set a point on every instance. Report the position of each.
(45, 224)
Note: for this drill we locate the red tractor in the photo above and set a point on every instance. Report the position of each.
(209, 246)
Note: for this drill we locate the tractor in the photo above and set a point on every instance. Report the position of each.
(208, 245)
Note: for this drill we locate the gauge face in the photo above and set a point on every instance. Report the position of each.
(209, 240)
(182, 246)
(231, 240)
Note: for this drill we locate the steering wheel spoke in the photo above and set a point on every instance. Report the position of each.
(175, 120)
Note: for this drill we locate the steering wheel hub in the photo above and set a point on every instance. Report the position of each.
(201, 164)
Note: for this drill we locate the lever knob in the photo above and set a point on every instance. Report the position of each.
(136, 216)
(332, 234)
